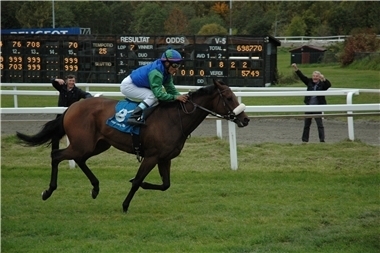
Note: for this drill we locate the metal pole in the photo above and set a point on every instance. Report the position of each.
(230, 17)
(53, 13)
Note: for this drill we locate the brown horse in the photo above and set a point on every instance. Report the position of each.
(162, 139)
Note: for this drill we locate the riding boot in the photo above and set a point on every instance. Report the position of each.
(136, 117)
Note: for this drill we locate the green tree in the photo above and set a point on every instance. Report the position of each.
(297, 27)
(212, 29)
(120, 23)
(249, 18)
(149, 18)
(197, 23)
(36, 14)
(64, 17)
(8, 13)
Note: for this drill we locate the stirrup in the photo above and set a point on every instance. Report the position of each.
(134, 121)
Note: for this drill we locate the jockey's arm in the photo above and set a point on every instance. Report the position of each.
(156, 83)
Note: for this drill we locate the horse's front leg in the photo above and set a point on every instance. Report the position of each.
(145, 167)
(164, 170)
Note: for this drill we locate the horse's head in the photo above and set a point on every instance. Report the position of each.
(220, 102)
(227, 105)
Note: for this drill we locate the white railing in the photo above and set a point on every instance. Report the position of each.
(348, 108)
(303, 39)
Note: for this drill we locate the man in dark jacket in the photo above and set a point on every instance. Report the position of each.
(68, 94)
(317, 82)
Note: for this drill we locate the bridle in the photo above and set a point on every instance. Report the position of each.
(229, 116)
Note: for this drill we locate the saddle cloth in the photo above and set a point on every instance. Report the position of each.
(123, 110)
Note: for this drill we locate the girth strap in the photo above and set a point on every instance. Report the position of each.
(139, 151)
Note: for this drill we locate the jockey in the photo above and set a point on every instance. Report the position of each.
(145, 84)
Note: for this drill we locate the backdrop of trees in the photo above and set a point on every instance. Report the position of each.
(277, 18)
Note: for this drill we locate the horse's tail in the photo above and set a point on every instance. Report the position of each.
(51, 130)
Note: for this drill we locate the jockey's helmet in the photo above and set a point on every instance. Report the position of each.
(171, 55)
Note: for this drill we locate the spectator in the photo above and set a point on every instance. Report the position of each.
(68, 94)
(316, 83)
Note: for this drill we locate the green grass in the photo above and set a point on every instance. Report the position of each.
(283, 198)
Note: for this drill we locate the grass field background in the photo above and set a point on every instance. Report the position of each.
(283, 198)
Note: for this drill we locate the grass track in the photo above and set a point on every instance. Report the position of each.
(282, 199)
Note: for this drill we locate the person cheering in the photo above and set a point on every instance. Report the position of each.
(145, 84)
(69, 93)
(316, 82)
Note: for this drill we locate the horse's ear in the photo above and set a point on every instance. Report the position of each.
(218, 83)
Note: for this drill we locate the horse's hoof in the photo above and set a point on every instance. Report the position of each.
(45, 195)
(94, 194)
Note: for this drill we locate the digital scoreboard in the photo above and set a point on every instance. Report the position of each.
(238, 60)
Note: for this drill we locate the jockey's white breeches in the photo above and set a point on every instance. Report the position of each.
(135, 93)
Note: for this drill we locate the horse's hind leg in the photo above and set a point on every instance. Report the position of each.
(55, 160)
(100, 147)
(93, 179)
(164, 170)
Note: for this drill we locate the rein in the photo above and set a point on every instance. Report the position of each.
(229, 116)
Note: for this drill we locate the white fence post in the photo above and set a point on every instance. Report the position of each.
(15, 101)
(350, 120)
(233, 146)
(219, 132)
(71, 162)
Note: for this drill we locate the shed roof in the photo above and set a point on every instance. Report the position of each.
(308, 46)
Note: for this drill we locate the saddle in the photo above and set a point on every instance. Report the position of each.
(123, 110)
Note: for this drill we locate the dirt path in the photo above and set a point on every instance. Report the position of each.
(258, 131)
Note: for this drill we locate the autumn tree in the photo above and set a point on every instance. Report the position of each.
(222, 9)
(176, 23)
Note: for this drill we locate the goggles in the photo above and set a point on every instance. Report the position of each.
(172, 64)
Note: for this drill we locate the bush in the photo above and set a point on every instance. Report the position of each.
(363, 42)
(287, 79)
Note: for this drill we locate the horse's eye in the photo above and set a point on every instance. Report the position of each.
(229, 99)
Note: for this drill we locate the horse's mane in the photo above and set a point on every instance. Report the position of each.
(205, 90)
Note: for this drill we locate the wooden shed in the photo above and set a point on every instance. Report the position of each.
(306, 54)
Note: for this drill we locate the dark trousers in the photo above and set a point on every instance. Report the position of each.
(55, 141)
(306, 128)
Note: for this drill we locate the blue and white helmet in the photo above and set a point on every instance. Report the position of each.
(171, 55)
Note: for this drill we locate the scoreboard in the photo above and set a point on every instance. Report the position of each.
(239, 60)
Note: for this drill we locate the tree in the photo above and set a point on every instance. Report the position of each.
(362, 42)
(176, 23)
(250, 18)
(149, 18)
(221, 9)
(34, 14)
(8, 13)
(197, 23)
(212, 29)
(297, 27)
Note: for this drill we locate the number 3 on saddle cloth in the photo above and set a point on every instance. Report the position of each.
(123, 111)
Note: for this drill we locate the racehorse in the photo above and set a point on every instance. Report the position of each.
(162, 138)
